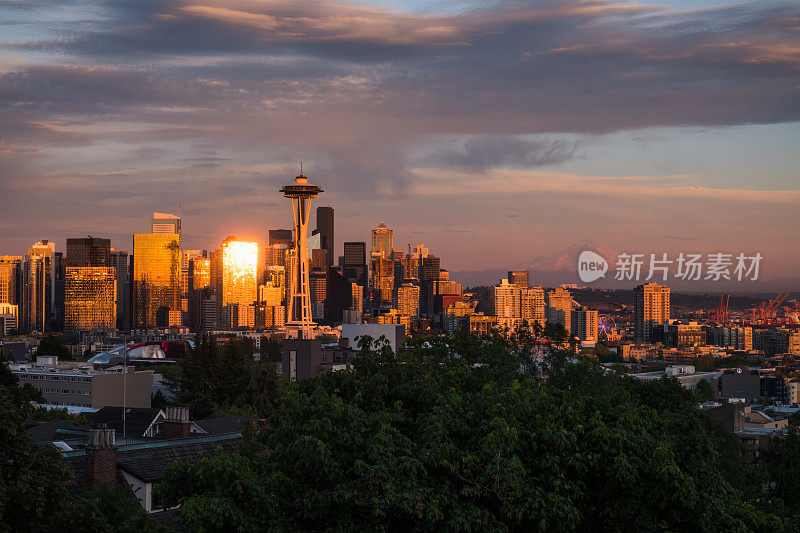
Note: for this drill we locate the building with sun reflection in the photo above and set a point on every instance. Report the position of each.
(156, 279)
(239, 281)
(90, 299)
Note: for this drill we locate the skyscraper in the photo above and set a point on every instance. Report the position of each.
(88, 252)
(300, 323)
(382, 242)
(119, 261)
(186, 257)
(10, 279)
(90, 301)
(650, 308)
(38, 297)
(355, 262)
(156, 279)
(239, 280)
(325, 229)
(280, 236)
(166, 223)
(200, 295)
(521, 278)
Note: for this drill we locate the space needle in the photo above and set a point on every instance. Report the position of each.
(300, 324)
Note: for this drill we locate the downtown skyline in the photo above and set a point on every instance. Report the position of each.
(642, 128)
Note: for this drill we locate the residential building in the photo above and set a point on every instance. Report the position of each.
(559, 308)
(651, 308)
(583, 324)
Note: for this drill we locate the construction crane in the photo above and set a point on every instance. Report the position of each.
(767, 310)
(720, 314)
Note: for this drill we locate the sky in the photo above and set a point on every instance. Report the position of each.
(493, 132)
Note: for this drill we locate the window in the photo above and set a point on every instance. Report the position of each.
(64, 391)
(56, 378)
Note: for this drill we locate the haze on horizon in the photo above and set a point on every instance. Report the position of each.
(493, 132)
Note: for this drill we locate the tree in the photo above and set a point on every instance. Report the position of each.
(704, 391)
(50, 345)
(32, 479)
(464, 434)
(217, 377)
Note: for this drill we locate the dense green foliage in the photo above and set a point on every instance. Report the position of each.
(225, 379)
(33, 479)
(51, 345)
(464, 434)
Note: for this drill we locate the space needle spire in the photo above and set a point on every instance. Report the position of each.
(299, 322)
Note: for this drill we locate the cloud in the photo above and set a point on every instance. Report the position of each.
(478, 154)
(211, 100)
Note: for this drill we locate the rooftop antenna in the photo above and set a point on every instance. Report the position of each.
(301, 168)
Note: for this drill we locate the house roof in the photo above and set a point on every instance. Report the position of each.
(148, 464)
(137, 419)
(215, 426)
(55, 430)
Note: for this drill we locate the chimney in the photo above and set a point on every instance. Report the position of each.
(101, 455)
(176, 425)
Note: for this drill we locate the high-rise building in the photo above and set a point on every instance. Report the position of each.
(506, 305)
(186, 258)
(325, 229)
(559, 308)
(156, 279)
(280, 236)
(119, 261)
(355, 262)
(90, 298)
(318, 290)
(10, 279)
(429, 271)
(275, 255)
(382, 272)
(521, 278)
(38, 297)
(275, 276)
(584, 324)
(166, 223)
(9, 315)
(357, 299)
(532, 308)
(650, 308)
(515, 306)
(88, 252)
(408, 299)
(300, 323)
(200, 292)
(382, 242)
(338, 296)
(239, 278)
